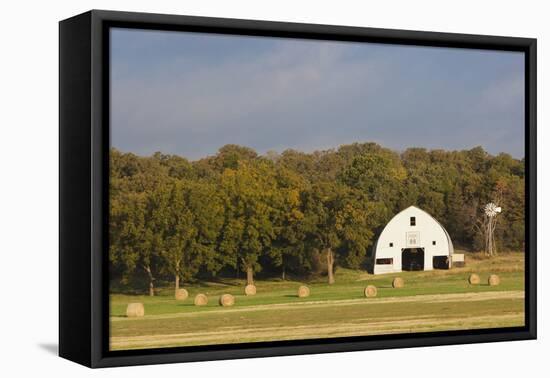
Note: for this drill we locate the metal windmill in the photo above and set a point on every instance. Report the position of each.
(491, 211)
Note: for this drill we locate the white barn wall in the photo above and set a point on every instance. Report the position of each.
(428, 230)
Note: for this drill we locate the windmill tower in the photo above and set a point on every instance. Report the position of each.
(491, 211)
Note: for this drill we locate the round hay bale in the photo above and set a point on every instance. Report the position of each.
(201, 300)
(473, 279)
(493, 280)
(303, 291)
(135, 310)
(181, 294)
(371, 291)
(250, 290)
(398, 283)
(227, 300)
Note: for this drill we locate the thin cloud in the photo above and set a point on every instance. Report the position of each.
(273, 94)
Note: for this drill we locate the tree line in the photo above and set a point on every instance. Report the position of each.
(297, 213)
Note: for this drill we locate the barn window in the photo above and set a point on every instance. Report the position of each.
(391, 244)
(433, 243)
(386, 261)
(413, 221)
(441, 262)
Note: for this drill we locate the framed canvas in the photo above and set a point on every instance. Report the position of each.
(235, 188)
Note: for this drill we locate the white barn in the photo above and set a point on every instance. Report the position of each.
(412, 240)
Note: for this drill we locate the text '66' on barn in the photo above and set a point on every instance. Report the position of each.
(413, 240)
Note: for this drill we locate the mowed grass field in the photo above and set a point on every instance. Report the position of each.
(430, 301)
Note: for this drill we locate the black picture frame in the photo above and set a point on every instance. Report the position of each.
(83, 180)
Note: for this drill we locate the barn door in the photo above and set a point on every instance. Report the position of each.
(412, 259)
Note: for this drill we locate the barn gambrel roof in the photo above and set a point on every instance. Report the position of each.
(451, 247)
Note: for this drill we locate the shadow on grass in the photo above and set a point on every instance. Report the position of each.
(187, 305)
(215, 282)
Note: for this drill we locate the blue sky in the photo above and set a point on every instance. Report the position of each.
(189, 94)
